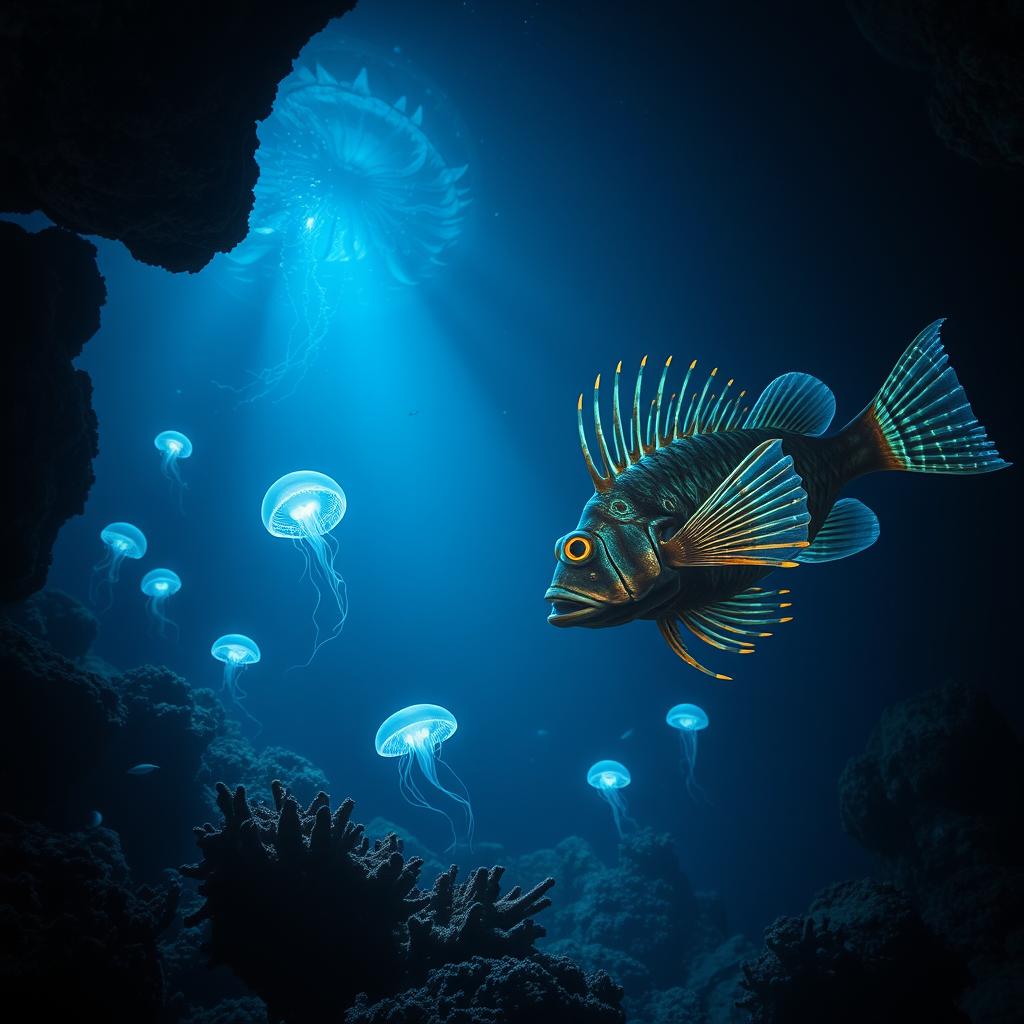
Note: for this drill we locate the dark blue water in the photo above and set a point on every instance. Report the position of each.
(764, 196)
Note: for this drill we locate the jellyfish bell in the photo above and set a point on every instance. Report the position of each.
(237, 651)
(689, 719)
(158, 585)
(609, 778)
(173, 444)
(305, 507)
(121, 541)
(414, 735)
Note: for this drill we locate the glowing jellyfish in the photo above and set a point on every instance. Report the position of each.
(122, 540)
(609, 778)
(351, 189)
(304, 507)
(238, 652)
(414, 735)
(173, 447)
(689, 720)
(158, 585)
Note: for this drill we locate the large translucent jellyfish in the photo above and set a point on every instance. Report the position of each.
(689, 720)
(414, 735)
(238, 652)
(609, 778)
(121, 540)
(304, 507)
(173, 447)
(158, 585)
(351, 188)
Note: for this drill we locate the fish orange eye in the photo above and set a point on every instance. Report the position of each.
(578, 549)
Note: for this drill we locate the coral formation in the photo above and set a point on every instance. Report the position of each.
(231, 756)
(52, 292)
(150, 116)
(972, 53)
(537, 989)
(73, 933)
(861, 953)
(642, 922)
(939, 794)
(59, 619)
(290, 893)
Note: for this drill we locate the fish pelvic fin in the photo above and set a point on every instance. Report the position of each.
(670, 631)
(737, 623)
(920, 421)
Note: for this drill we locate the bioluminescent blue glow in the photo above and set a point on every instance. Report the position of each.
(350, 187)
(689, 720)
(414, 735)
(158, 585)
(173, 447)
(121, 541)
(609, 778)
(304, 507)
(238, 652)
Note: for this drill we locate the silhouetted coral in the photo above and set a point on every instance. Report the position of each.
(861, 954)
(244, 1010)
(57, 724)
(137, 122)
(74, 938)
(939, 793)
(973, 54)
(537, 989)
(290, 894)
(58, 619)
(51, 292)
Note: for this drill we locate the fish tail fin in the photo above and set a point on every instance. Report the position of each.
(920, 421)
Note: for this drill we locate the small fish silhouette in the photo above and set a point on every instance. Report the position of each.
(627, 734)
(142, 769)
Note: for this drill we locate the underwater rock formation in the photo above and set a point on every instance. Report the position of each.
(59, 620)
(537, 989)
(972, 54)
(170, 724)
(75, 937)
(52, 291)
(149, 113)
(44, 754)
(861, 953)
(292, 893)
(939, 795)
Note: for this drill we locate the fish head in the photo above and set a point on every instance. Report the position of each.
(609, 568)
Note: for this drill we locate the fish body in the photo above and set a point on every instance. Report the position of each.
(690, 514)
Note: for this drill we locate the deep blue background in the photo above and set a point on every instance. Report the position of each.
(756, 190)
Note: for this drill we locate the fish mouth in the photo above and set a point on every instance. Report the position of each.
(568, 608)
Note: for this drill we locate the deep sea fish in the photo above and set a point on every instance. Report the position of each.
(142, 769)
(709, 496)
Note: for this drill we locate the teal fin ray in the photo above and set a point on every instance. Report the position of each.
(921, 419)
(795, 401)
(736, 623)
(756, 516)
(848, 529)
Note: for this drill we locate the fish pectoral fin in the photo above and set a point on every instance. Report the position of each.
(756, 516)
(848, 529)
(670, 631)
(736, 623)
